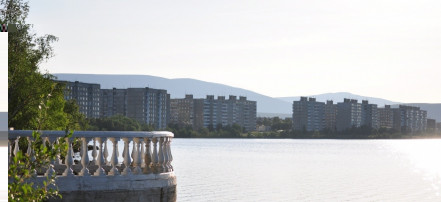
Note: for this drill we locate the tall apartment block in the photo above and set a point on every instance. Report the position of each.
(147, 105)
(330, 115)
(244, 112)
(349, 114)
(182, 111)
(369, 115)
(386, 117)
(431, 125)
(211, 112)
(113, 102)
(308, 115)
(410, 119)
(87, 96)
(228, 112)
(198, 113)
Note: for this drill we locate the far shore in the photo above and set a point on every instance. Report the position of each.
(246, 136)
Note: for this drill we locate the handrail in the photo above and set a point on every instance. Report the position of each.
(150, 152)
(92, 134)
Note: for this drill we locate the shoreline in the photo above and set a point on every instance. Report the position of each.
(311, 138)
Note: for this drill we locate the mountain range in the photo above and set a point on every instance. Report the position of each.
(266, 105)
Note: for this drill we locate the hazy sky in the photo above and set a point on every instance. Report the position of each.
(388, 49)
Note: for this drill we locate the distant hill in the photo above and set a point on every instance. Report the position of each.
(179, 87)
(338, 97)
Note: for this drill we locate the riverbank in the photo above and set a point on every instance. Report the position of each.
(287, 134)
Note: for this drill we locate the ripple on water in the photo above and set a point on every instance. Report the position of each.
(307, 170)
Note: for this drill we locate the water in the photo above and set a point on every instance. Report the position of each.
(307, 170)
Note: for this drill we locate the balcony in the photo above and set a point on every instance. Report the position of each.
(143, 173)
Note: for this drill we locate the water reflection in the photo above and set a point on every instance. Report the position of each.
(307, 170)
(424, 156)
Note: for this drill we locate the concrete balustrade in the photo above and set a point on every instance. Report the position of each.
(145, 173)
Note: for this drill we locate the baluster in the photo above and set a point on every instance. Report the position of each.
(45, 168)
(136, 157)
(114, 158)
(58, 157)
(10, 142)
(94, 152)
(68, 160)
(117, 154)
(141, 155)
(72, 153)
(100, 160)
(127, 170)
(155, 165)
(50, 171)
(166, 159)
(123, 153)
(133, 153)
(167, 151)
(84, 157)
(16, 147)
(170, 157)
(106, 154)
(161, 155)
(147, 156)
(30, 153)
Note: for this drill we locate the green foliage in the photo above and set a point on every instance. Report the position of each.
(29, 90)
(24, 166)
(53, 117)
(76, 120)
(275, 123)
(35, 102)
(117, 123)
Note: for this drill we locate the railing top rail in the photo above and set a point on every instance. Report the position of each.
(92, 134)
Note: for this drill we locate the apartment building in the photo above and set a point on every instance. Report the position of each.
(182, 111)
(431, 125)
(330, 115)
(308, 115)
(113, 102)
(87, 96)
(349, 114)
(147, 105)
(386, 117)
(369, 115)
(211, 112)
(410, 119)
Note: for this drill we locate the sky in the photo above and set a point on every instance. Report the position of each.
(386, 49)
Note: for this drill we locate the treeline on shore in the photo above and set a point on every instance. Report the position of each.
(277, 128)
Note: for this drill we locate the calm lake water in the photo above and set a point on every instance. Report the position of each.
(307, 170)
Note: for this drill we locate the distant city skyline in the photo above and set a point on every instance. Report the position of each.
(380, 49)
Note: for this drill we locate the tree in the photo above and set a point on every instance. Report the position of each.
(35, 102)
(76, 120)
(28, 88)
(23, 168)
(118, 123)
